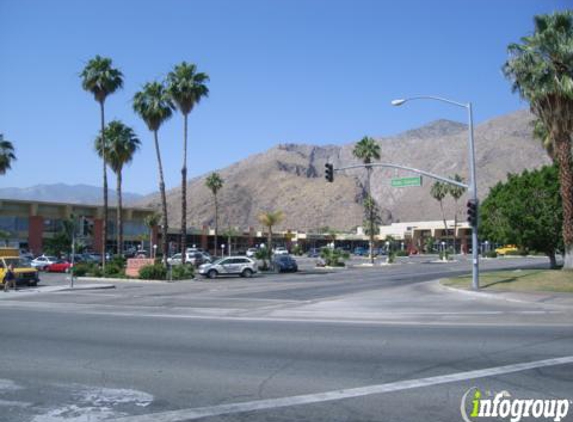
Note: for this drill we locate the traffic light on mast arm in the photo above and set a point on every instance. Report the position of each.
(472, 212)
(329, 172)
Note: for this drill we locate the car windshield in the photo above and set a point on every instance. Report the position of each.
(219, 261)
(18, 262)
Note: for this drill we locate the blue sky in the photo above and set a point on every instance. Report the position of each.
(302, 71)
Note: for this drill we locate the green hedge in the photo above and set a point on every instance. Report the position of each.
(153, 272)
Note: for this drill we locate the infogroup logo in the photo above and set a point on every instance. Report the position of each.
(501, 405)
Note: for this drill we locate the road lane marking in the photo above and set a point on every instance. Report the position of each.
(232, 408)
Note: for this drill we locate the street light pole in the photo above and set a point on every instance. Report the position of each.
(472, 171)
(473, 194)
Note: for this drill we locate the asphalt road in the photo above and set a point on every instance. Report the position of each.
(397, 346)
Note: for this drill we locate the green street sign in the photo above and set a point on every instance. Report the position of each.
(403, 182)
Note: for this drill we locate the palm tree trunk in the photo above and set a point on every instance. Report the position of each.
(455, 224)
(565, 161)
(216, 223)
(444, 218)
(369, 171)
(270, 241)
(104, 156)
(119, 216)
(163, 200)
(184, 193)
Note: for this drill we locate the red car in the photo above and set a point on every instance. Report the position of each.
(60, 266)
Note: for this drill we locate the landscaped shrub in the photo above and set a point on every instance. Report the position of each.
(491, 254)
(114, 269)
(182, 272)
(81, 269)
(332, 257)
(391, 257)
(153, 272)
(402, 253)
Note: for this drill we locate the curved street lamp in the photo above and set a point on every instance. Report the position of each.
(472, 168)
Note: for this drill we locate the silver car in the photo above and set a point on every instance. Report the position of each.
(235, 265)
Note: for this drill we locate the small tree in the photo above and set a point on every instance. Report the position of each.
(526, 211)
(271, 219)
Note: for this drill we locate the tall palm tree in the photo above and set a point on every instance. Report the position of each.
(7, 155)
(269, 219)
(151, 221)
(154, 107)
(101, 79)
(121, 143)
(456, 192)
(186, 87)
(541, 70)
(439, 191)
(215, 183)
(367, 149)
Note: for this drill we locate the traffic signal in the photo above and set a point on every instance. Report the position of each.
(473, 212)
(329, 172)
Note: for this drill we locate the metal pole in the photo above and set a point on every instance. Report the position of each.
(473, 194)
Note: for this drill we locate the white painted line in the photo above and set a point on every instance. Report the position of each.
(226, 409)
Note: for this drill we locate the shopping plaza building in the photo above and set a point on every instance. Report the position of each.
(27, 224)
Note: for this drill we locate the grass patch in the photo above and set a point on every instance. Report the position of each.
(518, 281)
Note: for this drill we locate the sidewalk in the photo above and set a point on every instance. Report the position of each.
(52, 289)
(561, 300)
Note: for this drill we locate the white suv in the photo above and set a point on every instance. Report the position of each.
(236, 265)
(280, 251)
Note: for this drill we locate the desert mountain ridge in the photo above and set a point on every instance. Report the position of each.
(290, 177)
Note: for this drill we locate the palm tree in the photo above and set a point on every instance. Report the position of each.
(121, 143)
(270, 219)
(456, 192)
(101, 79)
(151, 221)
(541, 70)
(214, 182)
(439, 191)
(366, 150)
(6, 155)
(186, 87)
(154, 106)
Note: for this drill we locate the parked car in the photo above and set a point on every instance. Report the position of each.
(280, 251)
(194, 258)
(284, 263)
(506, 249)
(60, 266)
(251, 252)
(42, 262)
(235, 265)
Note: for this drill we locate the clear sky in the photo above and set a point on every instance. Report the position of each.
(302, 71)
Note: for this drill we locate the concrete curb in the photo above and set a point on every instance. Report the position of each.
(496, 296)
(55, 289)
(129, 280)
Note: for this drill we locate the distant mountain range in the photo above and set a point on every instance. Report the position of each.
(60, 192)
(290, 177)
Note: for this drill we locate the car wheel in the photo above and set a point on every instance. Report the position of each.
(247, 273)
(212, 274)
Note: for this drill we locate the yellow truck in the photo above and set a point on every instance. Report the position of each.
(24, 272)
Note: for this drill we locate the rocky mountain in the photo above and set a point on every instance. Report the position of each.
(290, 177)
(60, 192)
